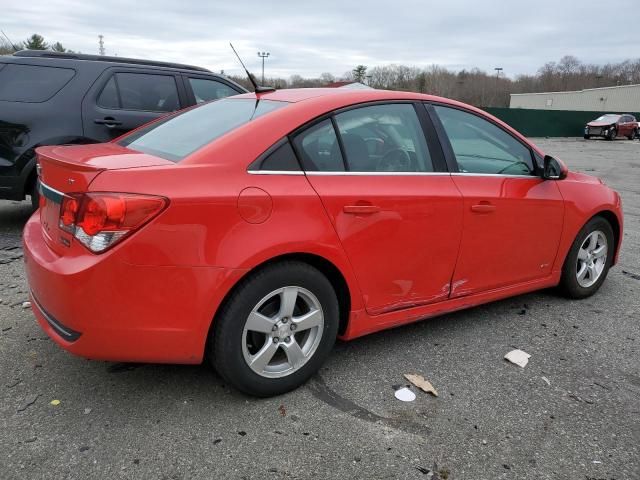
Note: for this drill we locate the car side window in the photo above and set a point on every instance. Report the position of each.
(205, 90)
(140, 91)
(482, 147)
(319, 149)
(280, 159)
(384, 138)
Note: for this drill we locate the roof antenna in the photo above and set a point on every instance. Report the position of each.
(256, 88)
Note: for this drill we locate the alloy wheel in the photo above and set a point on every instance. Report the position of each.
(592, 258)
(282, 332)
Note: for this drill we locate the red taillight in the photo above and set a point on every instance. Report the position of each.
(99, 220)
(68, 211)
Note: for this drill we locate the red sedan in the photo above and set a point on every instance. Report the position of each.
(256, 229)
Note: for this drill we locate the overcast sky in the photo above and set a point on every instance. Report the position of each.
(309, 38)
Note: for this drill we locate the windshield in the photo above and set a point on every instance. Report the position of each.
(607, 118)
(180, 135)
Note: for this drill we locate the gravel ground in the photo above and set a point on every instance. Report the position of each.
(572, 413)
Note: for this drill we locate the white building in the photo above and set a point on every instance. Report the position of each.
(622, 99)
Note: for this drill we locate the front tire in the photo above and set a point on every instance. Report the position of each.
(276, 329)
(612, 134)
(587, 137)
(588, 260)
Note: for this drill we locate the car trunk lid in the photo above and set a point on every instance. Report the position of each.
(66, 170)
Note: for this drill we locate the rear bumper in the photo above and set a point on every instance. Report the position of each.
(112, 310)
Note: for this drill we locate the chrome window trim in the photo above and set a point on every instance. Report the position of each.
(378, 174)
(275, 172)
(391, 174)
(504, 175)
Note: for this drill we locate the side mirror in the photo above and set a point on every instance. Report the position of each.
(554, 169)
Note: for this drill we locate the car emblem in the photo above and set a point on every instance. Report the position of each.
(70, 181)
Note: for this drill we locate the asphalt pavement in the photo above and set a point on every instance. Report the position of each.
(572, 413)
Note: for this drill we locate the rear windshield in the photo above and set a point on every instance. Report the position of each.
(31, 83)
(180, 135)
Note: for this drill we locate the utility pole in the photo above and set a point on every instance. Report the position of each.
(101, 45)
(263, 55)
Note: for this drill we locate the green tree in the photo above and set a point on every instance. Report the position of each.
(359, 73)
(57, 47)
(36, 42)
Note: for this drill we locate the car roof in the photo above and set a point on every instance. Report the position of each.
(294, 95)
(105, 59)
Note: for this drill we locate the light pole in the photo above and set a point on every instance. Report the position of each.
(263, 55)
(498, 70)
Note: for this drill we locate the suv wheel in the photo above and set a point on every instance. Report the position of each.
(612, 134)
(276, 330)
(35, 195)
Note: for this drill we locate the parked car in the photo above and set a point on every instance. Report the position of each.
(611, 126)
(255, 229)
(49, 98)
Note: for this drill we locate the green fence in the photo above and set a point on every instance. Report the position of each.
(547, 123)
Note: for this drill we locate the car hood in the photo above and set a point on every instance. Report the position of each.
(599, 124)
(583, 178)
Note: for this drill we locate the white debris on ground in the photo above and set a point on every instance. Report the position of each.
(518, 357)
(405, 395)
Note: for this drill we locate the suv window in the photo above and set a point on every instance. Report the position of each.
(205, 90)
(384, 138)
(109, 96)
(179, 135)
(140, 91)
(482, 147)
(31, 83)
(319, 149)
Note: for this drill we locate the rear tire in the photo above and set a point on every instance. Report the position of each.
(275, 330)
(584, 269)
(633, 135)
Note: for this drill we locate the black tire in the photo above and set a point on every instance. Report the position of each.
(35, 195)
(225, 349)
(612, 134)
(587, 137)
(569, 285)
(633, 135)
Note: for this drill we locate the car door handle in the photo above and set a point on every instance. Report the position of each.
(108, 122)
(361, 209)
(483, 208)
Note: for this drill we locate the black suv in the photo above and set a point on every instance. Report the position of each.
(49, 98)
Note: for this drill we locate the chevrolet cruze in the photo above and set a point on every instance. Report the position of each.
(255, 230)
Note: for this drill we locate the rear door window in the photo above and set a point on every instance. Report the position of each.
(319, 149)
(141, 92)
(205, 90)
(384, 138)
(32, 83)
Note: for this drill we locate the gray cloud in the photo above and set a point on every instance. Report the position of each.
(333, 36)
